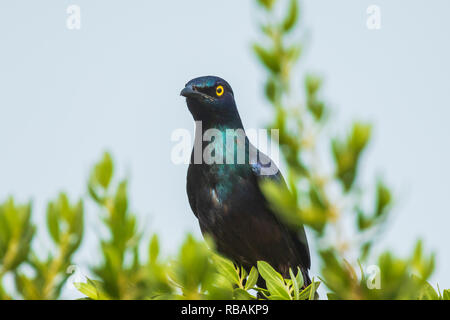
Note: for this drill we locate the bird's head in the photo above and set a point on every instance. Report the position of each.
(210, 99)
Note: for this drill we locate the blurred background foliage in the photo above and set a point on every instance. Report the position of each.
(331, 204)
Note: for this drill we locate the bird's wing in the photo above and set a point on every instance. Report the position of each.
(190, 187)
(298, 236)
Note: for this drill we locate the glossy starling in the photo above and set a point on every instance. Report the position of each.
(225, 195)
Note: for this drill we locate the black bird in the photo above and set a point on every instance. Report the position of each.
(226, 198)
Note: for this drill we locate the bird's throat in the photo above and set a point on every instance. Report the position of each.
(220, 144)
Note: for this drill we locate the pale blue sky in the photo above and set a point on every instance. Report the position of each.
(65, 96)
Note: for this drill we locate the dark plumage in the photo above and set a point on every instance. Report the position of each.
(226, 198)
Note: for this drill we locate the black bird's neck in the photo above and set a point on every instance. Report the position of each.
(213, 124)
(220, 117)
(217, 133)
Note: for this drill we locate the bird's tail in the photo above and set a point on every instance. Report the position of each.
(307, 281)
(306, 278)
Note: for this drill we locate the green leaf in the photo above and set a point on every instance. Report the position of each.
(27, 287)
(267, 58)
(274, 281)
(17, 233)
(153, 249)
(243, 273)
(92, 289)
(227, 269)
(103, 170)
(271, 90)
(384, 198)
(241, 294)
(93, 193)
(347, 153)
(332, 296)
(53, 222)
(294, 284)
(268, 273)
(252, 279)
(312, 84)
(312, 290)
(417, 255)
(267, 4)
(193, 268)
(121, 201)
(309, 293)
(446, 294)
(365, 250)
(360, 136)
(299, 278)
(428, 293)
(422, 264)
(87, 289)
(283, 201)
(77, 224)
(364, 222)
(292, 16)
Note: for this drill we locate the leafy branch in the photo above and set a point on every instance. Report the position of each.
(327, 201)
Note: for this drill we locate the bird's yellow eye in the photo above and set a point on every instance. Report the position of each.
(219, 91)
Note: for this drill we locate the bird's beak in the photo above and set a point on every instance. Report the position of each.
(189, 92)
